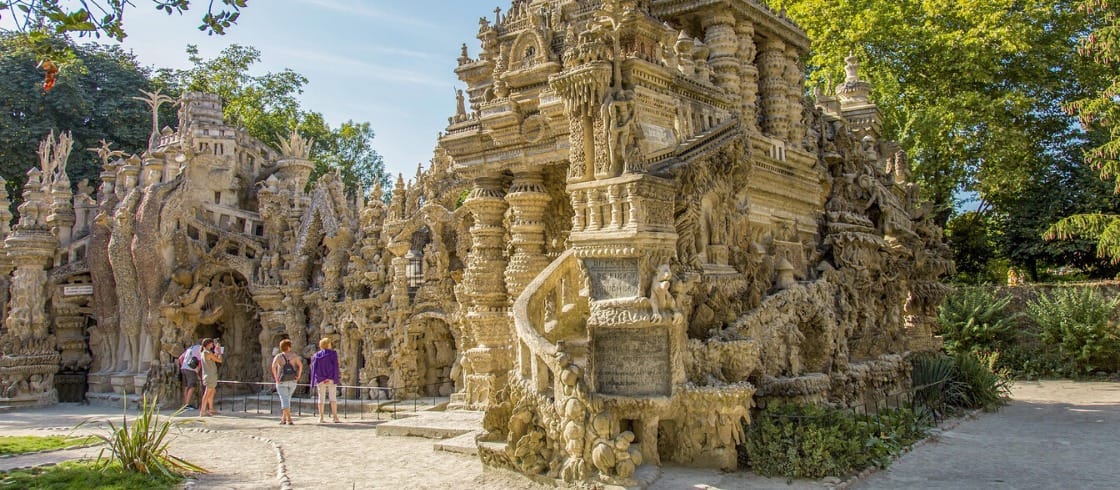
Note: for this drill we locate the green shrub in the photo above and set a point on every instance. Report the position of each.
(1079, 322)
(945, 384)
(976, 319)
(980, 386)
(805, 441)
(1033, 361)
(935, 392)
(143, 446)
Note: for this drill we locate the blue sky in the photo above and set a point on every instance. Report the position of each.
(387, 62)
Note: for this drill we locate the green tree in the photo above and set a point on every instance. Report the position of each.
(349, 149)
(268, 107)
(972, 89)
(265, 105)
(1098, 113)
(92, 99)
(97, 17)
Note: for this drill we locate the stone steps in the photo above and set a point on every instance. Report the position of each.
(433, 425)
(462, 444)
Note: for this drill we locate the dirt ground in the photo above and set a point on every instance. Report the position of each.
(1055, 434)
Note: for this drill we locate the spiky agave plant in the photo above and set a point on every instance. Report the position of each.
(142, 447)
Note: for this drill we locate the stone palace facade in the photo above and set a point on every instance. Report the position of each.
(635, 228)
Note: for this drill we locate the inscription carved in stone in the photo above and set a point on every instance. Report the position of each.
(613, 278)
(632, 362)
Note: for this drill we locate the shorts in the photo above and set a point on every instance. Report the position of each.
(327, 388)
(190, 378)
(285, 390)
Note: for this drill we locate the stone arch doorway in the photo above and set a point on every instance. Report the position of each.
(237, 327)
(430, 341)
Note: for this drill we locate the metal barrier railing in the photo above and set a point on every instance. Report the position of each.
(261, 398)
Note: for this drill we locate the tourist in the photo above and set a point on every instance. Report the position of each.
(211, 356)
(325, 377)
(190, 369)
(287, 368)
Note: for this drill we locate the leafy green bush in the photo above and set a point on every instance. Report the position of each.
(806, 441)
(976, 319)
(143, 447)
(1033, 361)
(1080, 322)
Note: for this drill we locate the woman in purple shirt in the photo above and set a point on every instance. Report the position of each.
(325, 377)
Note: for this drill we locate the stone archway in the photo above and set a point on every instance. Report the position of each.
(431, 344)
(237, 327)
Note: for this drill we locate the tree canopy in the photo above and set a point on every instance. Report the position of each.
(974, 90)
(92, 100)
(1097, 112)
(268, 107)
(105, 17)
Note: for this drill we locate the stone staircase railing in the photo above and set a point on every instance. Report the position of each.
(550, 310)
(697, 145)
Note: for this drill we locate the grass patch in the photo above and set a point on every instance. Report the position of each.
(86, 474)
(11, 445)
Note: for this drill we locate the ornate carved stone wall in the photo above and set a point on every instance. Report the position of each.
(634, 229)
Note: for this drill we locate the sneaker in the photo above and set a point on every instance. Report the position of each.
(189, 407)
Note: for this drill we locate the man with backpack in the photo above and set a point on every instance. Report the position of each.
(190, 368)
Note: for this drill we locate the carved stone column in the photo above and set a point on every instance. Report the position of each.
(486, 261)
(527, 199)
(720, 36)
(795, 81)
(30, 362)
(774, 89)
(748, 75)
(486, 362)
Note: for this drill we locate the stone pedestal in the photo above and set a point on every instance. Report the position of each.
(100, 383)
(122, 383)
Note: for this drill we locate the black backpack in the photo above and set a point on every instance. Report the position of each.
(192, 360)
(287, 371)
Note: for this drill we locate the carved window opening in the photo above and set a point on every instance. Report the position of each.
(414, 272)
(217, 197)
(192, 233)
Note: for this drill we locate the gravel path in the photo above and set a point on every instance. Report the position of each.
(1055, 434)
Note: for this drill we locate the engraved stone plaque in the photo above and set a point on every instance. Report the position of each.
(613, 278)
(632, 362)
